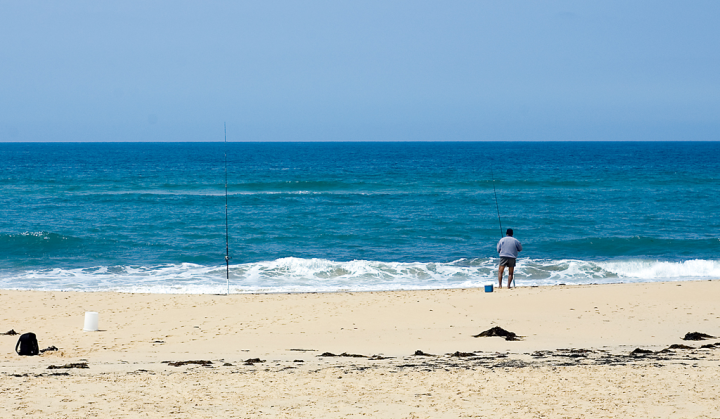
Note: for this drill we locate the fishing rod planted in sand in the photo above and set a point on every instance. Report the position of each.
(227, 239)
(497, 207)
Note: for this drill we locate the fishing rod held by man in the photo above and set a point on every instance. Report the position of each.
(508, 248)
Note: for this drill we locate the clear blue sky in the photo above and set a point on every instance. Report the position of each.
(359, 70)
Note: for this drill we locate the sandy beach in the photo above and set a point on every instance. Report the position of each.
(356, 354)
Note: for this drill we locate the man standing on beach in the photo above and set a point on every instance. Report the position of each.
(508, 248)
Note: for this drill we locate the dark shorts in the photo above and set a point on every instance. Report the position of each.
(509, 262)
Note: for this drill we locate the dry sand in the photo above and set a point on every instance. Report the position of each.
(574, 359)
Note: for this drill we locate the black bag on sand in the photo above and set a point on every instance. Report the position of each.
(27, 345)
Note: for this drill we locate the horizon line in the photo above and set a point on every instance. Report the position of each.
(360, 142)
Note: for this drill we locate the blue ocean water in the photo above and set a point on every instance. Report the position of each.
(354, 216)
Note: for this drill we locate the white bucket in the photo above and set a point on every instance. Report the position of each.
(91, 321)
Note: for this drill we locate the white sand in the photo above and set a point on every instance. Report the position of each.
(126, 376)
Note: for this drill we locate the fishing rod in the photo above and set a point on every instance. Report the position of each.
(497, 207)
(227, 240)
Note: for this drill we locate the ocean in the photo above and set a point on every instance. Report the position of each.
(315, 217)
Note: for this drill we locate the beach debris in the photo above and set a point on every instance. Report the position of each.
(298, 360)
(10, 332)
(640, 352)
(82, 365)
(459, 354)
(347, 355)
(577, 351)
(158, 341)
(680, 346)
(697, 336)
(344, 354)
(52, 374)
(378, 357)
(512, 363)
(303, 350)
(421, 353)
(574, 353)
(253, 361)
(204, 363)
(498, 331)
(49, 349)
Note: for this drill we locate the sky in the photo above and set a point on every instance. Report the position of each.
(359, 70)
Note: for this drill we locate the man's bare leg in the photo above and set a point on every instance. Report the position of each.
(511, 271)
(500, 274)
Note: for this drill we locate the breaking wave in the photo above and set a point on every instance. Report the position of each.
(321, 275)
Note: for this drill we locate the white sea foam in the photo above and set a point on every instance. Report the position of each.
(320, 275)
(658, 270)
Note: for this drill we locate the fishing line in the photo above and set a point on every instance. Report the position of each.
(497, 207)
(227, 239)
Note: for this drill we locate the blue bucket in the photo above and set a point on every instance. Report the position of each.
(489, 288)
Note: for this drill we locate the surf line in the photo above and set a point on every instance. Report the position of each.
(227, 237)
